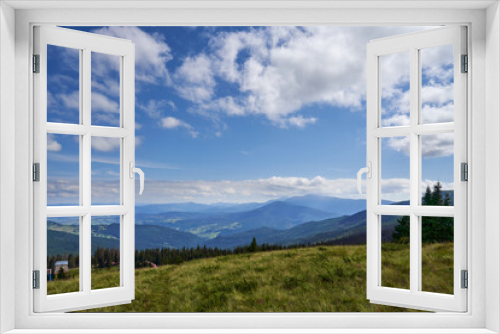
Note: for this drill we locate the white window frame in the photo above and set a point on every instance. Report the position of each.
(412, 44)
(86, 44)
(483, 248)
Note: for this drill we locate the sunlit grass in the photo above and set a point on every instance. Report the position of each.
(316, 279)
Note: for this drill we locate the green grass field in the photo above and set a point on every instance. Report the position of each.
(316, 279)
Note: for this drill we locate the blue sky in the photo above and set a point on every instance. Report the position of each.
(237, 114)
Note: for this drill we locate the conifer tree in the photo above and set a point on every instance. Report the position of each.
(253, 246)
(434, 229)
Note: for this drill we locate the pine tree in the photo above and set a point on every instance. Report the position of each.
(434, 229)
(253, 246)
(71, 261)
(427, 199)
(402, 230)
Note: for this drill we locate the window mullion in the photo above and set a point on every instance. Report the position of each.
(86, 165)
(414, 170)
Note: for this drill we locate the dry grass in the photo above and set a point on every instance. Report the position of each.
(317, 279)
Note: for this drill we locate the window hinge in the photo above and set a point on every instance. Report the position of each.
(36, 63)
(36, 172)
(36, 279)
(465, 64)
(464, 167)
(465, 279)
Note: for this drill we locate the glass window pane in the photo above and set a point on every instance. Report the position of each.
(63, 255)
(105, 89)
(63, 85)
(106, 170)
(437, 169)
(63, 169)
(395, 252)
(395, 170)
(437, 84)
(437, 254)
(395, 89)
(105, 252)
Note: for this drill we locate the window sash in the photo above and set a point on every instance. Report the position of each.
(414, 298)
(86, 43)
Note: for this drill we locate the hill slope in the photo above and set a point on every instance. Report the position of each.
(316, 279)
(347, 229)
(64, 238)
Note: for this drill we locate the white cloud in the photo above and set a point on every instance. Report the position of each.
(105, 144)
(439, 145)
(151, 52)
(437, 62)
(155, 108)
(195, 79)
(173, 123)
(433, 146)
(103, 103)
(280, 70)
(139, 140)
(396, 120)
(52, 144)
(437, 94)
(259, 190)
(437, 114)
(71, 100)
(227, 105)
(300, 121)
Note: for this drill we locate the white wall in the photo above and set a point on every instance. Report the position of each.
(492, 164)
(7, 162)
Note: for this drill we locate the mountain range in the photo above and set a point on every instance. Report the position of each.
(333, 205)
(297, 220)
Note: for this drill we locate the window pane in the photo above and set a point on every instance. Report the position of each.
(63, 169)
(105, 170)
(63, 255)
(395, 252)
(437, 254)
(105, 89)
(63, 85)
(437, 84)
(105, 252)
(395, 170)
(437, 169)
(395, 89)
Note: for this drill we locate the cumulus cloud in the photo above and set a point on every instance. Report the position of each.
(280, 70)
(70, 100)
(104, 144)
(300, 121)
(101, 102)
(156, 108)
(151, 57)
(195, 79)
(202, 191)
(52, 144)
(174, 123)
(433, 146)
(151, 53)
(437, 114)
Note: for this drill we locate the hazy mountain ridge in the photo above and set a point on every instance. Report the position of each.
(283, 222)
(61, 238)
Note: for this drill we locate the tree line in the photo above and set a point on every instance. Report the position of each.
(434, 229)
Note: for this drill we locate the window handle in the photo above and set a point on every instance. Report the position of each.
(139, 171)
(368, 171)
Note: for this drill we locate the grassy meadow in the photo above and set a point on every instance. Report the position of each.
(315, 279)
